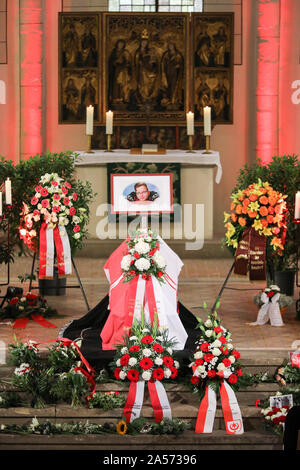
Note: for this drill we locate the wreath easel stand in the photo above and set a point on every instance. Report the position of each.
(79, 286)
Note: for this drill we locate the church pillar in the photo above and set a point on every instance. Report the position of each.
(31, 77)
(267, 85)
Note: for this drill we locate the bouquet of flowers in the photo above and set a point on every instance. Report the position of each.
(27, 306)
(275, 417)
(283, 301)
(216, 372)
(215, 357)
(56, 203)
(146, 357)
(143, 257)
(261, 207)
(146, 354)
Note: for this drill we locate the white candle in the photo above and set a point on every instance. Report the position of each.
(190, 123)
(0, 203)
(8, 191)
(89, 120)
(109, 122)
(297, 205)
(207, 120)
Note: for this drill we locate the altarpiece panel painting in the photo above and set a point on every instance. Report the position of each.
(146, 67)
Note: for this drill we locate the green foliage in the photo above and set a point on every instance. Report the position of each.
(107, 400)
(283, 174)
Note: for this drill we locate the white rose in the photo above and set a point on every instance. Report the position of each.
(146, 375)
(232, 359)
(216, 344)
(122, 375)
(132, 361)
(124, 350)
(159, 260)
(208, 323)
(176, 364)
(77, 235)
(125, 263)
(142, 264)
(167, 373)
(158, 361)
(200, 369)
(208, 333)
(216, 352)
(142, 248)
(198, 355)
(118, 362)
(133, 338)
(221, 367)
(147, 352)
(170, 350)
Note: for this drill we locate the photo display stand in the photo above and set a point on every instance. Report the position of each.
(79, 286)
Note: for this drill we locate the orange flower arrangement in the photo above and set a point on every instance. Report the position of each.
(261, 207)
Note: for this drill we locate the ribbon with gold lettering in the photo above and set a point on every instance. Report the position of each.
(250, 255)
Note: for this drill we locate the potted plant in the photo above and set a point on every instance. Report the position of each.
(283, 174)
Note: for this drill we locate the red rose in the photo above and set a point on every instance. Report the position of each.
(132, 262)
(211, 373)
(160, 274)
(174, 372)
(226, 362)
(133, 375)
(74, 196)
(224, 351)
(144, 276)
(146, 363)
(147, 340)
(34, 201)
(199, 362)
(76, 228)
(204, 347)
(239, 372)
(117, 373)
(13, 301)
(45, 203)
(134, 348)
(218, 330)
(124, 359)
(236, 354)
(56, 197)
(232, 379)
(44, 192)
(168, 361)
(132, 272)
(158, 348)
(38, 188)
(72, 211)
(56, 209)
(64, 189)
(66, 201)
(36, 212)
(208, 357)
(136, 255)
(194, 380)
(67, 185)
(158, 374)
(222, 339)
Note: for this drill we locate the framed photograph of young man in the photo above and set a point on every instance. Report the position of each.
(137, 193)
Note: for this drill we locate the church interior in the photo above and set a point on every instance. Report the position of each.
(149, 226)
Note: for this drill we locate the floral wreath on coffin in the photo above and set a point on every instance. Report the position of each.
(146, 356)
(216, 372)
(143, 256)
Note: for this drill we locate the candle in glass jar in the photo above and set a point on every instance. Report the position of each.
(297, 205)
(89, 120)
(207, 120)
(109, 122)
(190, 123)
(8, 192)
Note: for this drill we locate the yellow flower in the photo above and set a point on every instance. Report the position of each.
(277, 243)
(121, 427)
(257, 225)
(267, 231)
(226, 216)
(254, 206)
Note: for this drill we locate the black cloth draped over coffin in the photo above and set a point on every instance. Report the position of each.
(90, 326)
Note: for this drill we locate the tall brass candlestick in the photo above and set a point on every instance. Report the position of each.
(190, 150)
(108, 139)
(207, 144)
(89, 149)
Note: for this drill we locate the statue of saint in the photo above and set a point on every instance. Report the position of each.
(173, 76)
(147, 71)
(120, 75)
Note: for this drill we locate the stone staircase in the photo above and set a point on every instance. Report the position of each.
(184, 405)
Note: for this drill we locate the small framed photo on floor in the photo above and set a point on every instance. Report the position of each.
(137, 193)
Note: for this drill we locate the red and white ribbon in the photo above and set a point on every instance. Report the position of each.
(50, 238)
(231, 410)
(158, 397)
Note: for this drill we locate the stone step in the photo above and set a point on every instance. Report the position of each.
(189, 440)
